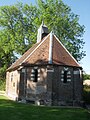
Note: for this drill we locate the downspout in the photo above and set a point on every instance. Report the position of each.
(50, 48)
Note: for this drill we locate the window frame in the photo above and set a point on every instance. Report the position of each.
(11, 77)
(66, 75)
(35, 74)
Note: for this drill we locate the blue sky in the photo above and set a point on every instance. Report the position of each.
(79, 7)
(82, 8)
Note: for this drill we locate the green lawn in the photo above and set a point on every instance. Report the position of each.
(10, 110)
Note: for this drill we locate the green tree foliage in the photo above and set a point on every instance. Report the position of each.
(86, 77)
(64, 23)
(17, 32)
(19, 24)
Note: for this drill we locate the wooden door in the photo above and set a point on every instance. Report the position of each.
(21, 86)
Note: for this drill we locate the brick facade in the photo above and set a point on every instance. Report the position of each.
(49, 89)
(12, 80)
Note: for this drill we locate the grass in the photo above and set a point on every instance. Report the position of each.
(10, 110)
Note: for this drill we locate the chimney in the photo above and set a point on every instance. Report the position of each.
(42, 32)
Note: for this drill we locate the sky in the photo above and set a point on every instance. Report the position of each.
(79, 7)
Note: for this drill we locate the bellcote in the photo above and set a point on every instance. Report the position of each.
(42, 32)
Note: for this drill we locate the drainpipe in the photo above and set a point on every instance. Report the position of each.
(50, 48)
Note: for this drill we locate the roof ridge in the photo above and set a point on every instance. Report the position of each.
(50, 56)
(50, 48)
(35, 49)
(22, 56)
(67, 50)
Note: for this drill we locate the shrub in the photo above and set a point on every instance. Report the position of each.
(86, 94)
(2, 84)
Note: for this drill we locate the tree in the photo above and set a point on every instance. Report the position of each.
(64, 23)
(17, 21)
(86, 76)
(19, 24)
(16, 32)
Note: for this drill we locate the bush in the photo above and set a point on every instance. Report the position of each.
(2, 85)
(86, 94)
(86, 77)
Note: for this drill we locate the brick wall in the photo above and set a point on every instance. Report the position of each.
(37, 91)
(64, 93)
(12, 79)
(50, 88)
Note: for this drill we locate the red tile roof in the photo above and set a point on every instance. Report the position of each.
(19, 61)
(39, 54)
(61, 55)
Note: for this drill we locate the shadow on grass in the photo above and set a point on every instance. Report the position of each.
(10, 110)
(7, 103)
